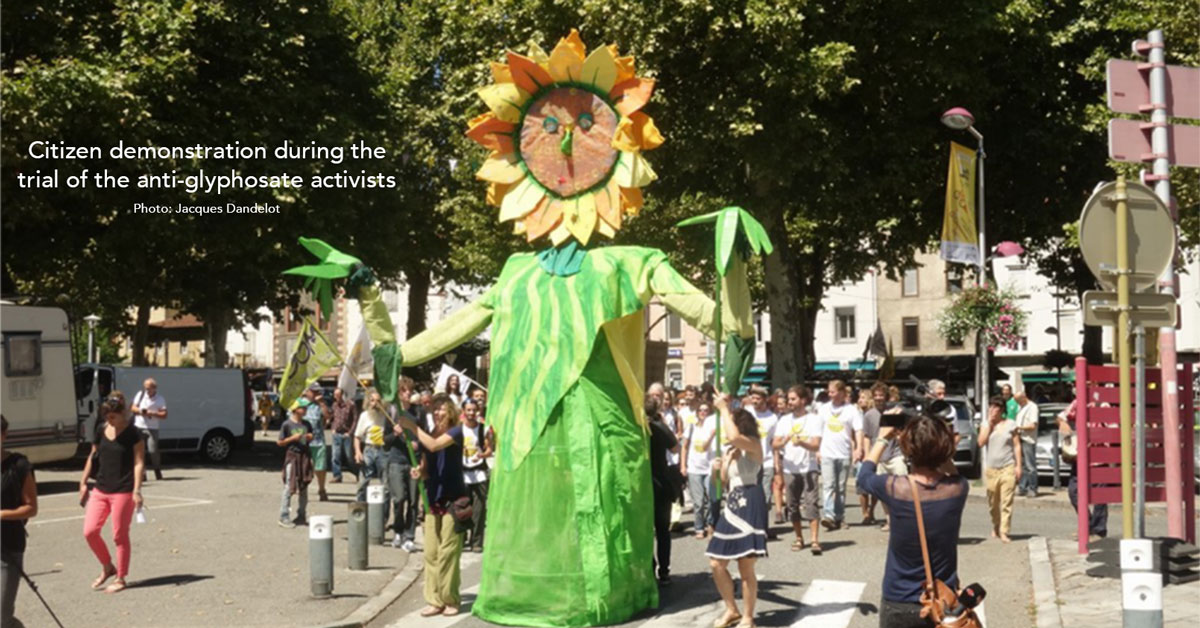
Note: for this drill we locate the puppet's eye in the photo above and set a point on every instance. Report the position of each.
(550, 124)
(585, 121)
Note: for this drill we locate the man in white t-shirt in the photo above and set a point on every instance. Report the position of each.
(767, 419)
(696, 464)
(149, 411)
(841, 423)
(797, 439)
(1027, 426)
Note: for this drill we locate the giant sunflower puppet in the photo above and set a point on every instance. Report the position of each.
(570, 522)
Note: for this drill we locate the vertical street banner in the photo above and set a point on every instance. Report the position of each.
(312, 356)
(959, 242)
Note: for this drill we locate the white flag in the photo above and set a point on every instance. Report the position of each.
(347, 382)
(358, 358)
(464, 383)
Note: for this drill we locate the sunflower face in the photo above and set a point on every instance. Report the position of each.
(566, 134)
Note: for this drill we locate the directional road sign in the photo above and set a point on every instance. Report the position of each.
(1129, 89)
(1129, 140)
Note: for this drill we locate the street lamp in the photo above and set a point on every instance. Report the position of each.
(91, 319)
(960, 119)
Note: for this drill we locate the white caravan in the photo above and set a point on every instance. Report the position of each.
(38, 391)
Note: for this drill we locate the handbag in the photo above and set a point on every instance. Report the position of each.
(462, 510)
(938, 600)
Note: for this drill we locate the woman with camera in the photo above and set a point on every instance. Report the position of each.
(741, 532)
(118, 457)
(928, 443)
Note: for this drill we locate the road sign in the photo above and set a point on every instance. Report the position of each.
(1129, 89)
(1150, 309)
(1129, 140)
(1151, 236)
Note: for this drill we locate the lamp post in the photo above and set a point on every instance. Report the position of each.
(960, 119)
(91, 319)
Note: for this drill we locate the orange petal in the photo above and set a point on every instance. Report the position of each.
(575, 42)
(632, 94)
(566, 60)
(625, 66)
(631, 200)
(501, 73)
(645, 131)
(541, 220)
(527, 74)
(491, 132)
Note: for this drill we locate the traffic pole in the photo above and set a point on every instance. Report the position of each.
(1139, 356)
(1121, 345)
(356, 535)
(1161, 173)
(320, 555)
(375, 513)
(1141, 585)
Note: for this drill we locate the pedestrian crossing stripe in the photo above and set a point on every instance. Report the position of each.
(829, 604)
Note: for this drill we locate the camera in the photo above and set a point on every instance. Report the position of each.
(913, 404)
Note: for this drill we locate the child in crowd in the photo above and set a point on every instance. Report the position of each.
(297, 467)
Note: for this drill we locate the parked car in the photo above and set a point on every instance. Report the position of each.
(211, 410)
(1047, 428)
(966, 458)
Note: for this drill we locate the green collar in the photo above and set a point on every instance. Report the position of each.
(562, 261)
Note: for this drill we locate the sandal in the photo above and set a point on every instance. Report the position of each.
(816, 549)
(109, 571)
(450, 611)
(726, 620)
(430, 611)
(797, 545)
(117, 586)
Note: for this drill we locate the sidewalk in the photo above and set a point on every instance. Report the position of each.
(1086, 601)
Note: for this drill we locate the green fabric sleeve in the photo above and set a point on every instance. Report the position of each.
(375, 316)
(693, 306)
(452, 331)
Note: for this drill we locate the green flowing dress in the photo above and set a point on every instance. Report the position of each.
(570, 506)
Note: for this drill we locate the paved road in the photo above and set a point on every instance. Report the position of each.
(837, 590)
(210, 555)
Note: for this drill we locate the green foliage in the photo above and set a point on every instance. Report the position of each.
(994, 312)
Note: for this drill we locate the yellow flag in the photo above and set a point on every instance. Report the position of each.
(959, 242)
(313, 355)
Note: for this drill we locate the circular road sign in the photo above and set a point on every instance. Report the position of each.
(1150, 231)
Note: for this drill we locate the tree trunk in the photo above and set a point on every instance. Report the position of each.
(418, 300)
(788, 362)
(141, 334)
(216, 329)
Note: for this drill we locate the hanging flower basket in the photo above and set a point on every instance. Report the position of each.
(989, 310)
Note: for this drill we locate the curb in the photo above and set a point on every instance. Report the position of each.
(1045, 592)
(390, 593)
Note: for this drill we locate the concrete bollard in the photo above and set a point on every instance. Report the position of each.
(356, 535)
(320, 554)
(375, 513)
(1141, 585)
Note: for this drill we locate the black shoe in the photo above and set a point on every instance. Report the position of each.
(300, 521)
(664, 580)
(158, 475)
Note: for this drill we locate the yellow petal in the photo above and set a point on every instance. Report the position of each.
(625, 67)
(580, 220)
(631, 200)
(600, 69)
(643, 174)
(496, 192)
(501, 170)
(521, 200)
(646, 131)
(537, 54)
(633, 171)
(500, 73)
(559, 235)
(566, 61)
(575, 42)
(605, 229)
(505, 100)
(519, 227)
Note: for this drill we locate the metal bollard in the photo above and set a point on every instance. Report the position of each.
(356, 535)
(375, 513)
(320, 554)
(1141, 585)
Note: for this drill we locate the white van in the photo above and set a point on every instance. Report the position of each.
(37, 390)
(209, 410)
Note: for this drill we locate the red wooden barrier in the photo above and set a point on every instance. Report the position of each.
(1099, 441)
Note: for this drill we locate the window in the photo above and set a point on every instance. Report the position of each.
(289, 321)
(674, 328)
(910, 282)
(675, 376)
(23, 355)
(912, 338)
(843, 324)
(954, 281)
(950, 344)
(1024, 343)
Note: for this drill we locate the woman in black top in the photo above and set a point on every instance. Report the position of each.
(18, 499)
(118, 458)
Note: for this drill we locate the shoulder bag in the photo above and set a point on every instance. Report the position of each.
(938, 600)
